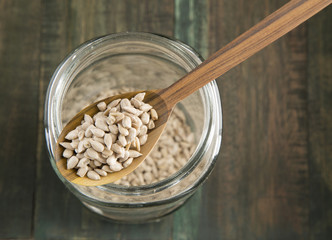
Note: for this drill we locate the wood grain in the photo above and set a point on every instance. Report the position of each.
(65, 25)
(260, 185)
(19, 73)
(255, 39)
(272, 179)
(320, 124)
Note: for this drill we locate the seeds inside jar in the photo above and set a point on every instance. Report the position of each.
(107, 142)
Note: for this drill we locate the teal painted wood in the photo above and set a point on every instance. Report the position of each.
(320, 123)
(19, 73)
(191, 24)
(191, 27)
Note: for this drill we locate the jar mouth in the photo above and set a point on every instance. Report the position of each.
(209, 96)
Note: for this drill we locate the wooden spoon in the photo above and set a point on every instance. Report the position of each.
(163, 100)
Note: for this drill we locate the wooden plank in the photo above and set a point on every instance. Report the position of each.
(260, 184)
(59, 215)
(19, 72)
(320, 123)
(191, 27)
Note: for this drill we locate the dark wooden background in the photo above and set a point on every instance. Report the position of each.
(273, 178)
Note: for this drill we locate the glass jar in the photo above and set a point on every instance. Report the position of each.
(135, 61)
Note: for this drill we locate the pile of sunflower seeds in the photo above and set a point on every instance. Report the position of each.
(111, 139)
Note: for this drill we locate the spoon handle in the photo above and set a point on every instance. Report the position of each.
(256, 38)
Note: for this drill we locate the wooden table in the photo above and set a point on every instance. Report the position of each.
(273, 178)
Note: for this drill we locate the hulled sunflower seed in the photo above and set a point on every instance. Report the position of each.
(80, 147)
(117, 148)
(140, 96)
(143, 131)
(154, 115)
(88, 119)
(136, 102)
(127, 162)
(97, 132)
(143, 139)
(101, 124)
(67, 145)
(125, 103)
(97, 163)
(83, 162)
(101, 106)
(145, 117)
(99, 147)
(126, 122)
(72, 135)
(72, 162)
(151, 125)
(123, 130)
(74, 144)
(114, 103)
(93, 175)
(106, 153)
(115, 166)
(114, 129)
(134, 154)
(145, 107)
(133, 110)
(106, 168)
(101, 172)
(108, 141)
(92, 153)
(67, 153)
(82, 171)
(132, 134)
(122, 140)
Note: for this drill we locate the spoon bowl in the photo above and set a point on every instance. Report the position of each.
(151, 97)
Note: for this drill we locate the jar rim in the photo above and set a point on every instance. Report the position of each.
(211, 102)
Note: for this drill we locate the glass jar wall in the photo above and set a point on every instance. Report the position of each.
(135, 61)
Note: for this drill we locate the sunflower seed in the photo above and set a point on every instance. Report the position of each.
(101, 106)
(97, 146)
(132, 134)
(123, 130)
(154, 115)
(140, 96)
(114, 103)
(125, 103)
(67, 153)
(114, 129)
(92, 153)
(67, 145)
(82, 171)
(145, 117)
(101, 172)
(108, 141)
(126, 122)
(93, 175)
(88, 119)
(72, 135)
(145, 107)
(151, 124)
(98, 132)
(134, 154)
(101, 124)
(72, 162)
(127, 163)
(143, 139)
(83, 162)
